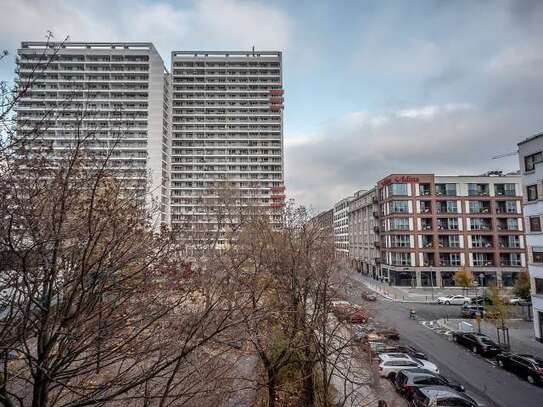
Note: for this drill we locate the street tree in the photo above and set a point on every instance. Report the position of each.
(464, 278)
(522, 285)
(99, 305)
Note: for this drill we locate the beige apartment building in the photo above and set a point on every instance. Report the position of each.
(432, 226)
(363, 233)
(341, 227)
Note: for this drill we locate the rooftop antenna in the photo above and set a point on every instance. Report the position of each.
(253, 50)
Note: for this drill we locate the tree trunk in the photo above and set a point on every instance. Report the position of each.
(272, 389)
(40, 392)
(309, 386)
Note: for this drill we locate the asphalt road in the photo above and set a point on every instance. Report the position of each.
(488, 384)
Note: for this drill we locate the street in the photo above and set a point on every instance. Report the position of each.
(488, 384)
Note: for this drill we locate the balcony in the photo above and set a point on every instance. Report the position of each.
(449, 263)
(277, 189)
(507, 224)
(479, 207)
(279, 196)
(277, 92)
(483, 260)
(426, 224)
(277, 204)
(510, 263)
(424, 189)
(478, 190)
(506, 207)
(448, 243)
(504, 189)
(425, 207)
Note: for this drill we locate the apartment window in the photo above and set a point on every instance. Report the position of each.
(512, 224)
(448, 223)
(531, 192)
(537, 256)
(475, 206)
(535, 224)
(424, 189)
(401, 259)
(510, 207)
(538, 285)
(399, 224)
(400, 241)
(477, 189)
(446, 189)
(531, 160)
(399, 207)
(397, 189)
(504, 189)
(479, 224)
(452, 207)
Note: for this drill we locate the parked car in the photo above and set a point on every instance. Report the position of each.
(410, 351)
(526, 366)
(391, 334)
(480, 300)
(454, 300)
(478, 343)
(471, 310)
(368, 296)
(391, 363)
(442, 396)
(407, 381)
(526, 302)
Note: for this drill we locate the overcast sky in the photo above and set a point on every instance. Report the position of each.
(372, 87)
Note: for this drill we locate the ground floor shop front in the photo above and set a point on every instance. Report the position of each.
(445, 278)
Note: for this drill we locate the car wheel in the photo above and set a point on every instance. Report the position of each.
(500, 363)
(530, 379)
(474, 349)
(455, 338)
(447, 303)
(392, 376)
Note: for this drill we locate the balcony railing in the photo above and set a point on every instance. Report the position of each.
(510, 263)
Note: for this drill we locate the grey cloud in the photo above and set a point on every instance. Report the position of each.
(342, 159)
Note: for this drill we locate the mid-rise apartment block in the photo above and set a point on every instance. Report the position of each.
(206, 137)
(432, 226)
(341, 227)
(530, 154)
(227, 135)
(363, 233)
(325, 221)
(113, 95)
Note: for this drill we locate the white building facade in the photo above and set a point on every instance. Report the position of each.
(364, 233)
(113, 94)
(227, 135)
(530, 154)
(341, 228)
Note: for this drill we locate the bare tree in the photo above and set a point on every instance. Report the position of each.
(97, 305)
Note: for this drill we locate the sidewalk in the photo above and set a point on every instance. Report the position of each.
(521, 334)
(410, 294)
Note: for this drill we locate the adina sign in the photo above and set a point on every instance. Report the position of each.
(403, 179)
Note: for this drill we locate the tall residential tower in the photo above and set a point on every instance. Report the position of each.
(114, 95)
(227, 135)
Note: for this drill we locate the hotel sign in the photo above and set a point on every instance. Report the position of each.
(401, 179)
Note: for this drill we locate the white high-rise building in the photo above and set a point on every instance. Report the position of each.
(214, 124)
(114, 94)
(227, 134)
